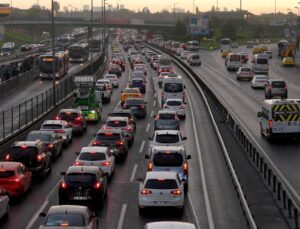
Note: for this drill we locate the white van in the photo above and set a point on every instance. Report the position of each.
(172, 88)
(193, 46)
(260, 64)
(233, 62)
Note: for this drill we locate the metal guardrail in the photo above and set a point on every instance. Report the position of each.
(282, 191)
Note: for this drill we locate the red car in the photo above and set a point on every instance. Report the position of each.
(244, 57)
(15, 178)
(75, 118)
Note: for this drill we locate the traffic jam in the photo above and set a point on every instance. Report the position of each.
(83, 188)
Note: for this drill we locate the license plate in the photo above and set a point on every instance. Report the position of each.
(160, 202)
(80, 198)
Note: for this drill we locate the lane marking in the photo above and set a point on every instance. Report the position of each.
(148, 127)
(142, 146)
(152, 113)
(36, 215)
(193, 210)
(122, 215)
(133, 172)
(154, 103)
(203, 178)
(155, 95)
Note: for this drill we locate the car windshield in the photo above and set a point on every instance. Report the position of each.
(173, 87)
(6, 173)
(167, 138)
(116, 123)
(278, 84)
(92, 156)
(80, 178)
(100, 87)
(168, 159)
(22, 152)
(110, 77)
(108, 136)
(174, 103)
(52, 126)
(195, 57)
(166, 116)
(161, 184)
(63, 219)
(43, 137)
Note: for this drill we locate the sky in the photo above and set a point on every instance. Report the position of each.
(254, 6)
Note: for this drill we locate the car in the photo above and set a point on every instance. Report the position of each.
(169, 158)
(61, 128)
(137, 105)
(288, 62)
(141, 68)
(179, 51)
(269, 54)
(259, 81)
(117, 59)
(177, 105)
(15, 178)
(138, 75)
(100, 156)
(225, 53)
(244, 73)
(138, 83)
(115, 69)
(244, 57)
(161, 77)
(4, 203)
(169, 225)
(276, 88)
(75, 118)
(184, 55)
(105, 89)
(166, 137)
(120, 123)
(113, 78)
(161, 189)
(166, 120)
(83, 185)
(50, 140)
(130, 92)
(115, 140)
(124, 113)
(69, 216)
(195, 60)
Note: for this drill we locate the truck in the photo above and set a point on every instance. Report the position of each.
(87, 99)
(280, 118)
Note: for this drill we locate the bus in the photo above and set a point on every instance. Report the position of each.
(95, 44)
(193, 46)
(282, 45)
(61, 65)
(225, 44)
(79, 52)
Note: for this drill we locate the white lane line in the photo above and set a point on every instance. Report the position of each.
(133, 172)
(122, 215)
(36, 215)
(152, 113)
(203, 177)
(117, 105)
(193, 210)
(148, 127)
(142, 146)
(154, 103)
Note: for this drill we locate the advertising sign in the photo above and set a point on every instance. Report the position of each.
(199, 25)
(5, 10)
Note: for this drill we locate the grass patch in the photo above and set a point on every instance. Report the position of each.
(18, 37)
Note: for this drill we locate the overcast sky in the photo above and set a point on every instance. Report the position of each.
(254, 6)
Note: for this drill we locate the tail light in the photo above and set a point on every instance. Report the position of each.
(186, 168)
(57, 118)
(17, 180)
(97, 185)
(63, 185)
(50, 146)
(120, 143)
(7, 157)
(78, 118)
(96, 143)
(150, 166)
(59, 131)
(127, 128)
(176, 192)
(105, 163)
(39, 157)
(78, 163)
(146, 192)
(270, 123)
(142, 106)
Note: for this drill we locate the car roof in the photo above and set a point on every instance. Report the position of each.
(127, 111)
(169, 225)
(174, 99)
(46, 132)
(96, 149)
(68, 208)
(84, 169)
(172, 132)
(161, 175)
(10, 165)
(59, 122)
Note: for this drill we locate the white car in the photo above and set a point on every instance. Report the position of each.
(179, 51)
(113, 79)
(69, 216)
(61, 128)
(4, 203)
(169, 225)
(166, 138)
(105, 88)
(176, 105)
(97, 156)
(184, 54)
(259, 81)
(161, 189)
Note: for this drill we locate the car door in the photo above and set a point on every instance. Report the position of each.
(3, 202)
(111, 158)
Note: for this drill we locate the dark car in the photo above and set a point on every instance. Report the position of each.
(275, 88)
(115, 140)
(137, 106)
(75, 118)
(139, 83)
(51, 141)
(83, 185)
(166, 120)
(125, 113)
(33, 155)
(115, 69)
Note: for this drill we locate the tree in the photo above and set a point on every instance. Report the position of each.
(180, 28)
(213, 8)
(33, 12)
(56, 7)
(229, 30)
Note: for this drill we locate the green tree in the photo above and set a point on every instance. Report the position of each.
(229, 30)
(33, 12)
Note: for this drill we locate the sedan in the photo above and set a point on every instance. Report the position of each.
(69, 216)
(113, 79)
(137, 105)
(244, 73)
(184, 54)
(166, 120)
(259, 81)
(288, 61)
(176, 105)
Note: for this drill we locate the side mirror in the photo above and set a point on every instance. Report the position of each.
(42, 214)
(147, 156)
(63, 173)
(259, 114)
(77, 153)
(188, 157)
(184, 138)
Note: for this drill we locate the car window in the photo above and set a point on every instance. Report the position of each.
(173, 87)
(246, 70)
(39, 136)
(108, 136)
(167, 138)
(63, 219)
(68, 116)
(116, 123)
(23, 152)
(130, 91)
(6, 173)
(161, 184)
(174, 103)
(134, 102)
(80, 178)
(52, 126)
(166, 116)
(92, 156)
(167, 159)
(262, 61)
(278, 84)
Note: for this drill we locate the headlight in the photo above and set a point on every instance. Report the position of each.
(56, 74)
(93, 112)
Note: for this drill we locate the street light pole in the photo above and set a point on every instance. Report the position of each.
(91, 69)
(53, 55)
(174, 13)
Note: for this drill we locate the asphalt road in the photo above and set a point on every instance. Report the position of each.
(211, 201)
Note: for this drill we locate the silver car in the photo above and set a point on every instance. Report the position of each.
(259, 81)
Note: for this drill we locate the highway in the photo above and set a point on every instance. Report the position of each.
(211, 201)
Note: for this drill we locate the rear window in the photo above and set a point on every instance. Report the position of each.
(7, 173)
(246, 70)
(173, 87)
(132, 91)
(167, 138)
(195, 57)
(52, 126)
(100, 87)
(166, 116)
(134, 102)
(167, 159)
(110, 77)
(63, 219)
(68, 116)
(21, 153)
(80, 178)
(91, 156)
(42, 137)
(262, 61)
(108, 137)
(174, 103)
(161, 184)
(116, 123)
(278, 84)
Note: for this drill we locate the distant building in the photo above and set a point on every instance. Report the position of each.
(146, 10)
(233, 15)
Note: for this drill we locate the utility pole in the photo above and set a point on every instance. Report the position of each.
(53, 55)
(240, 5)
(91, 36)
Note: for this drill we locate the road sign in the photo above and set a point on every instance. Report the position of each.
(199, 25)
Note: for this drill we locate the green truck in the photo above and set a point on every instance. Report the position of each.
(87, 99)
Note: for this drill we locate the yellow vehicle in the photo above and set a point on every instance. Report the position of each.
(289, 50)
(256, 50)
(130, 92)
(288, 61)
(263, 48)
(225, 53)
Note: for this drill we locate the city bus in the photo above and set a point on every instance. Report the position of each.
(95, 44)
(61, 65)
(282, 45)
(225, 44)
(79, 52)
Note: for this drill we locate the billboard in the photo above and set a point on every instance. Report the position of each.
(5, 10)
(199, 25)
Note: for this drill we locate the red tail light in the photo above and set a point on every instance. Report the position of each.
(57, 118)
(78, 163)
(59, 131)
(63, 185)
(186, 168)
(120, 143)
(7, 157)
(127, 128)
(146, 192)
(97, 185)
(270, 123)
(39, 157)
(105, 163)
(96, 143)
(17, 180)
(150, 166)
(78, 118)
(50, 146)
(176, 192)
